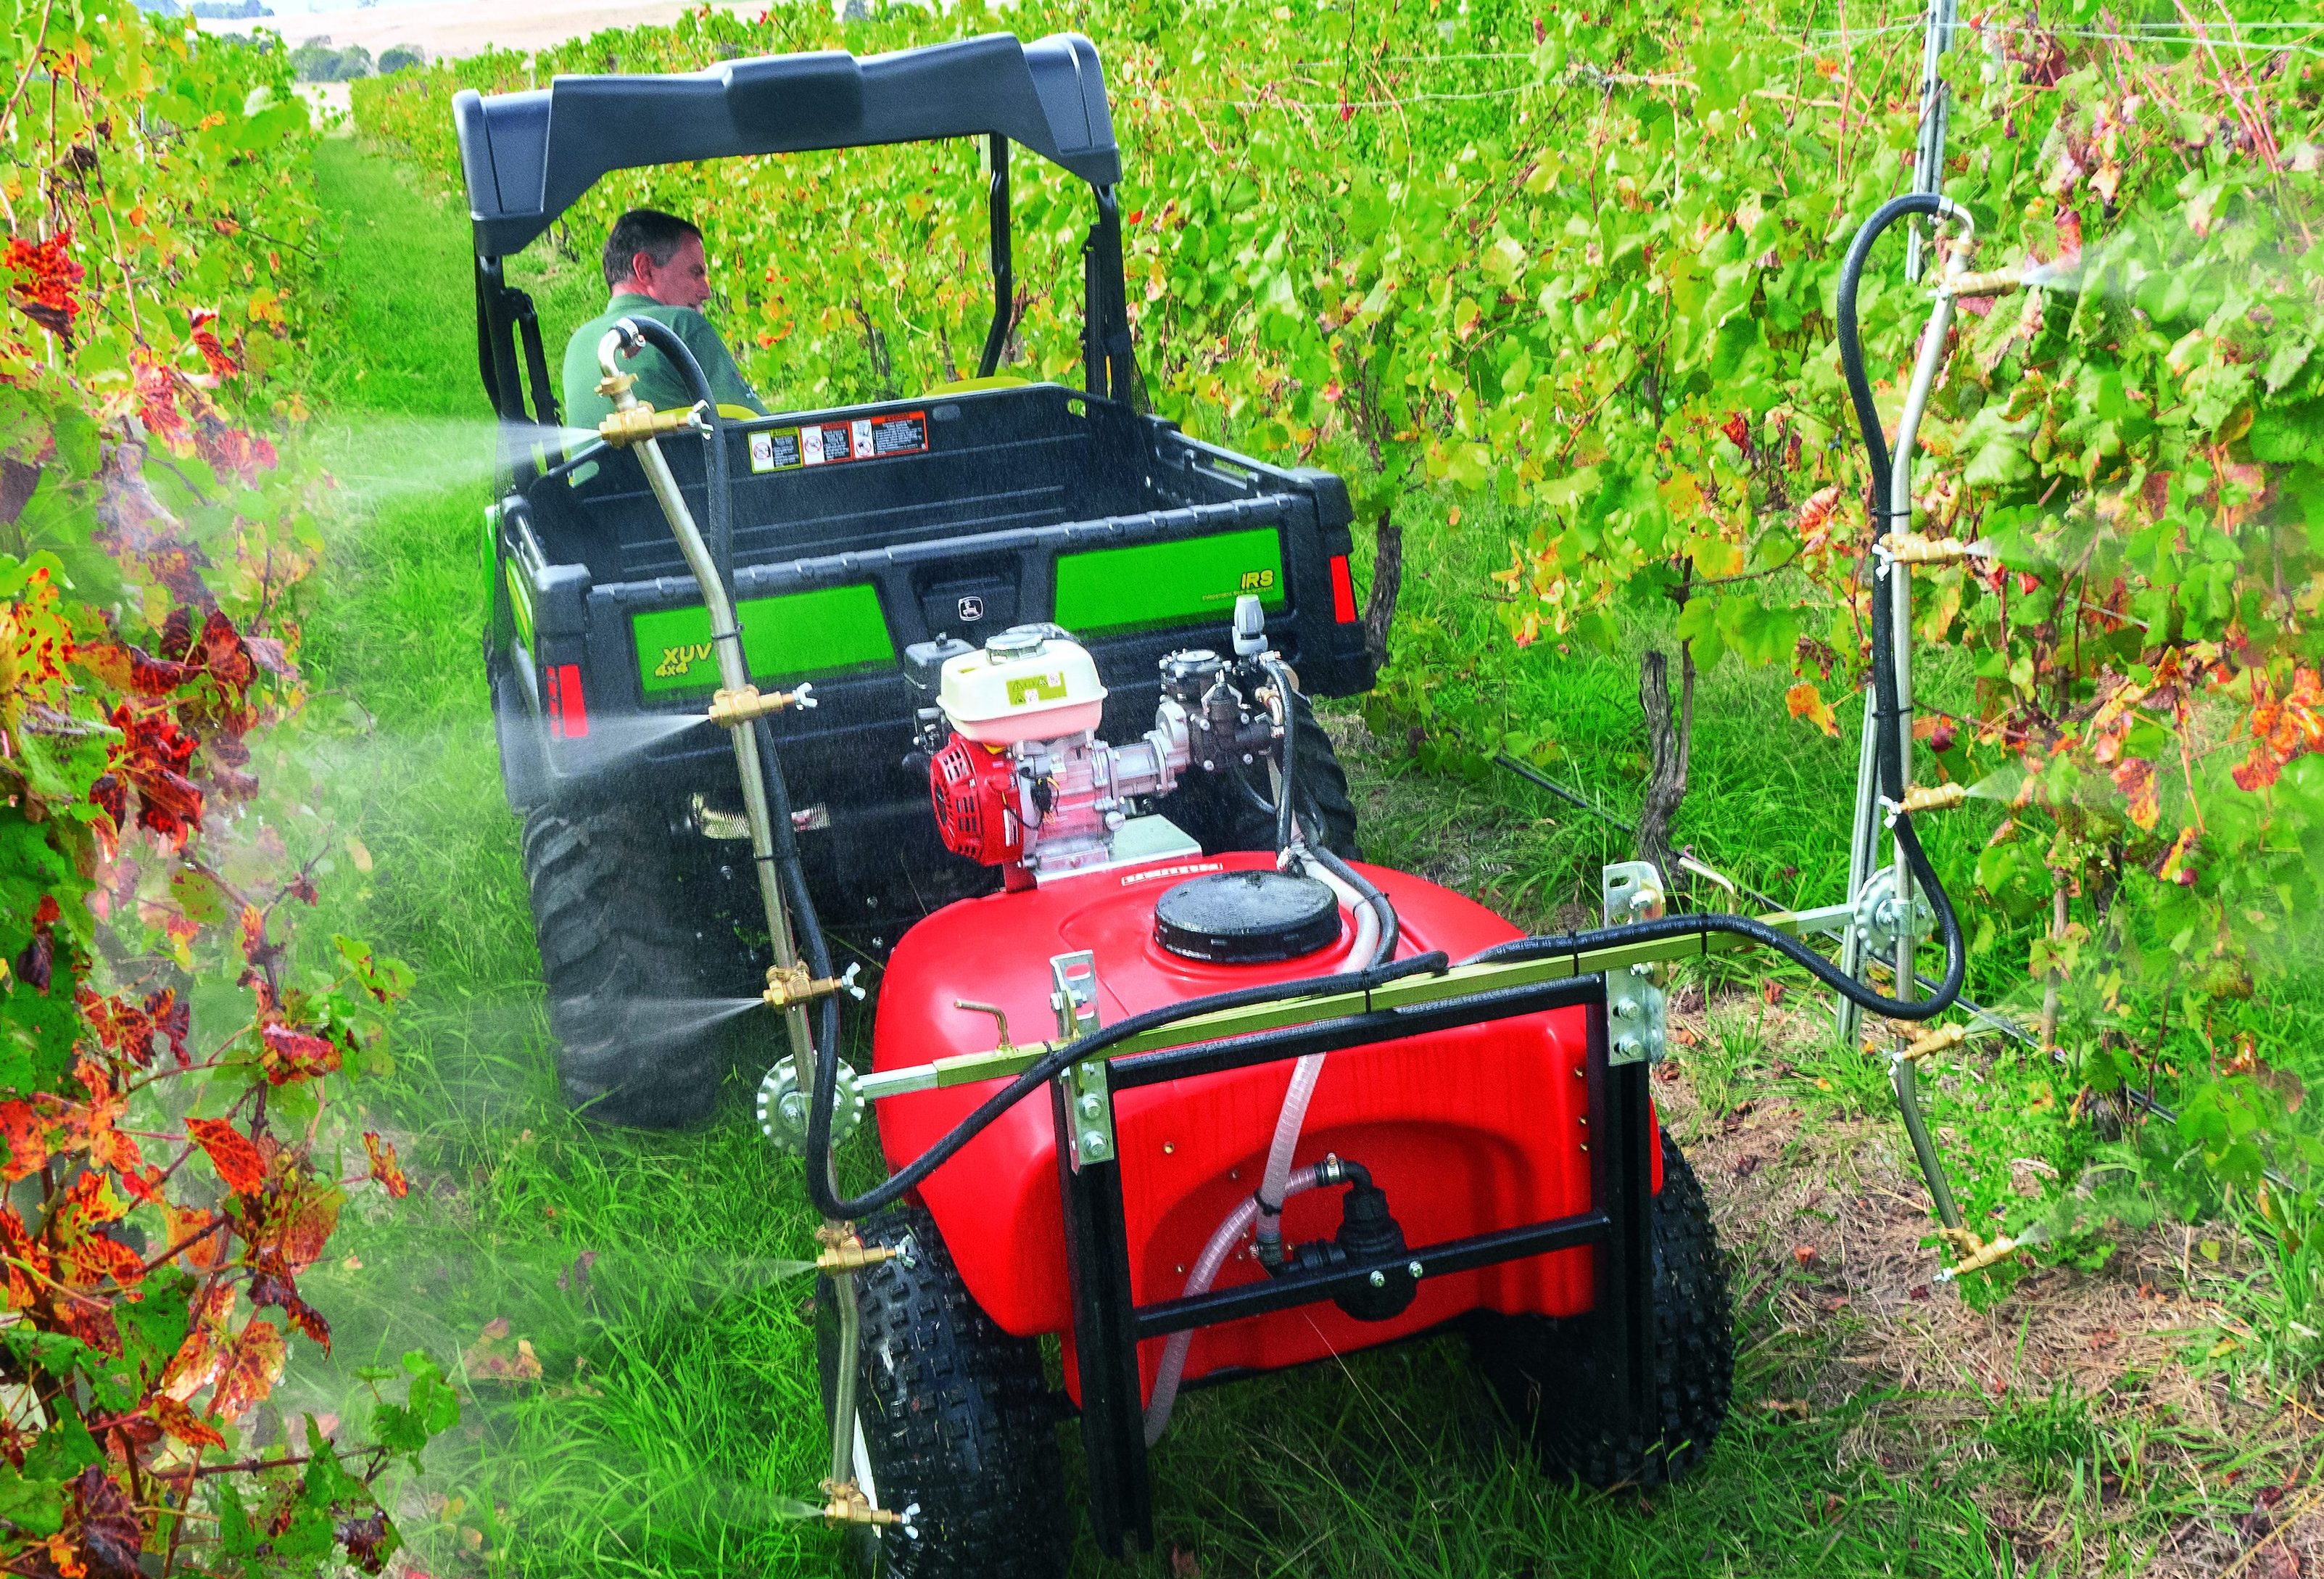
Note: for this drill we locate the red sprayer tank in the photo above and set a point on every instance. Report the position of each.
(1467, 1130)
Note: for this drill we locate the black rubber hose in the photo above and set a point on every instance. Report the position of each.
(1286, 794)
(1391, 929)
(1886, 715)
(818, 1138)
(718, 523)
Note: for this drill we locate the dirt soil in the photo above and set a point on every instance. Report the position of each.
(1833, 1266)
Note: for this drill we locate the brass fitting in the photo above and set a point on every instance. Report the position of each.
(636, 424)
(1941, 1039)
(843, 1253)
(615, 385)
(847, 1504)
(731, 709)
(794, 984)
(1992, 282)
(1976, 1257)
(1910, 548)
(1923, 797)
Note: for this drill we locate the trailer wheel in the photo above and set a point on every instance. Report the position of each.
(1535, 1364)
(1223, 818)
(951, 1414)
(630, 931)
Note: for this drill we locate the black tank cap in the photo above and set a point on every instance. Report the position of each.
(1247, 917)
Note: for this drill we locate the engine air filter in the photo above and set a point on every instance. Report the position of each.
(1247, 917)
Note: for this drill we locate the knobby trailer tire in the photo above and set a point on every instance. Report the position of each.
(954, 1415)
(1535, 1364)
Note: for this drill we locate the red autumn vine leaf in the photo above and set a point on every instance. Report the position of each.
(184, 1424)
(47, 279)
(249, 1371)
(288, 1055)
(383, 1165)
(231, 1152)
(104, 1530)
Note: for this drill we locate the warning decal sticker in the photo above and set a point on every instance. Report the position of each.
(776, 451)
(829, 443)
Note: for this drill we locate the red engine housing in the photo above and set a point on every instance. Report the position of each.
(974, 788)
(1468, 1129)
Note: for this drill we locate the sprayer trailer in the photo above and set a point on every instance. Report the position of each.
(865, 543)
(1192, 1104)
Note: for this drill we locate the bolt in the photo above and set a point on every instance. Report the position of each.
(1585, 1145)
(794, 1109)
(1093, 1106)
(1628, 1009)
(1415, 1269)
(1628, 1045)
(1642, 971)
(1580, 1072)
(1379, 1279)
(1093, 1143)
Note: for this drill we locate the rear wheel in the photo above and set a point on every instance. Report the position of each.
(637, 945)
(1538, 1368)
(952, 1415)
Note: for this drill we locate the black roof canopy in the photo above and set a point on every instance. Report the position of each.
(529, 156)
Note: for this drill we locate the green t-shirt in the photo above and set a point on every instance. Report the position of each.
(658, 385)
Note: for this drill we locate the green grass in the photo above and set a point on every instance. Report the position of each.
(676, 1410)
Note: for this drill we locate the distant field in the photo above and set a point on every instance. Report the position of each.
(464, 30)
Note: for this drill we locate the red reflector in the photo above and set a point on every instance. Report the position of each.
(1343, 591)
(569, 710)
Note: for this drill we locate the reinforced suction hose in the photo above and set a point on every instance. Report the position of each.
(1886, 714)
(1215, 1251)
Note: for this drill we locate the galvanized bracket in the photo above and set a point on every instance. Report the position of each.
(1636, 1009)
(1088, 1094)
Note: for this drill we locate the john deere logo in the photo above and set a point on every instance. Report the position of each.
(972, 609)
(676, 661)
(1038, 688)
(1256, 581)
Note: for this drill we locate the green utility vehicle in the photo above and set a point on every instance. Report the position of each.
(867, 543)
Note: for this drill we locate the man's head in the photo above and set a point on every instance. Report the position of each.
(658, 256)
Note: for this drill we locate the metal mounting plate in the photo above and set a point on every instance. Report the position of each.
(1636, 1011)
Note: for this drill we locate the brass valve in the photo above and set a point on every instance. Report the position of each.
(843, 1253)
(1992, 282)
(1923, 797)
(1910, 548)
(847, 1504)
(1941, 1039)
(1976, 1257)
(731, 709)
(794, 984)
(636, 424)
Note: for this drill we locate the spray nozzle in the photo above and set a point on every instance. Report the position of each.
(1923, 797)
(794, 984)
(1941, 1039)
(843, 1251)
(1977, 1255)
(1910, 548)
(640, 424)
(846, 1504)
(732, 709)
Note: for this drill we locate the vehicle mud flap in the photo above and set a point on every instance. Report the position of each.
(1113, 1424)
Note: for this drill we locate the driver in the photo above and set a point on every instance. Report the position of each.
(655, 268)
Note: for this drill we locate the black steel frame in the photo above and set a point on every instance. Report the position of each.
(1108, 1324)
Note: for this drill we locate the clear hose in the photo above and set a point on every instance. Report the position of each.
(1222, 1242)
